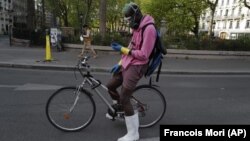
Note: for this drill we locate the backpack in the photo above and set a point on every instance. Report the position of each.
(156, 56)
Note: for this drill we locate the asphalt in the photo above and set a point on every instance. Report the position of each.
(175, 62)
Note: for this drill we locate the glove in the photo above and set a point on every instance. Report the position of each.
(118, 47)
(116, 67)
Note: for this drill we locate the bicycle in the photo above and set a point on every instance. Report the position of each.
(73, 108)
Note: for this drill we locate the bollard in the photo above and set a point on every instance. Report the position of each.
(48, 56)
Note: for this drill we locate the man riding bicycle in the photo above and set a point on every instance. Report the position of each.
(132, 66)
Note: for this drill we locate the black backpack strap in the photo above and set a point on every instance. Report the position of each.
(158, 72)
(143, 29)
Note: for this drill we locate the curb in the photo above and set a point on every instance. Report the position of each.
(107, 70)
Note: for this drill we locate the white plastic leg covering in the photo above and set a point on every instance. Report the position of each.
(132, 124)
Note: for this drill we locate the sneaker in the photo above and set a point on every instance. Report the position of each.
(119, 116)
(108, 116)
(118, 112)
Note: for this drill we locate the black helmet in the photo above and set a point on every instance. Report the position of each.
(132, 13)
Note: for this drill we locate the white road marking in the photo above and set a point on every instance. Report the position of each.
(9, 86)
(30, 86)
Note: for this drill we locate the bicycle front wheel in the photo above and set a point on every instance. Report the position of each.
(70, 109)
(150, 104)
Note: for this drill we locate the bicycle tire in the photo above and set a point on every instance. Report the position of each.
(58, 109)
(151, 106)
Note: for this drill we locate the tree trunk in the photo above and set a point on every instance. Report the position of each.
(43, 15)
(88, 6)
(31, 15)
(102, 12)
(65, 20)
(213, 8)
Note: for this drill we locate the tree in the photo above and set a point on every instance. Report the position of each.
(195, 8)
(88, 8)
(182, 16)
(212, 5)
(114, 15)
(102, 12)
(61, 9)
(31, 14)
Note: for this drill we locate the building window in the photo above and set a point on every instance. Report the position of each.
(232, 12)
(248, 12)
(248, 24)
(222, 2)
(224, 25)
(231, 25)
(239, 12)
(227, 2)
(233, 36)
(226, 14)
(237, 24)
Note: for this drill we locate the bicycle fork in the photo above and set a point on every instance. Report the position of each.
(77, 93)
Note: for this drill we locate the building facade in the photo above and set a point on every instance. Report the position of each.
(6, 16)
(231, 20)
(20, 12)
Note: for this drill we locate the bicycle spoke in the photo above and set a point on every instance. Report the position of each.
(70, 111)
(150, 104)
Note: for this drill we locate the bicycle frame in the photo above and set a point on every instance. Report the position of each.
(94, 84)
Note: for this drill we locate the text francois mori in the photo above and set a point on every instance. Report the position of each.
(206, 132)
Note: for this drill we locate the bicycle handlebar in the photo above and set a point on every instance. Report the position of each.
(83, 62)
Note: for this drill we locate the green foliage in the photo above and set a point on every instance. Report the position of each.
(109, 38)
(181, 15)
(69, 11)
(206, 43)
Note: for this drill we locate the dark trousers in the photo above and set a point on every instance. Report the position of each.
(128, 79)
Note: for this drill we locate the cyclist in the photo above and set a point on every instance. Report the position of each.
(132, 66)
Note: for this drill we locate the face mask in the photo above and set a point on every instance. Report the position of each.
(134, 21)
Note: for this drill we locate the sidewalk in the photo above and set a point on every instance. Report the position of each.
(175, 62)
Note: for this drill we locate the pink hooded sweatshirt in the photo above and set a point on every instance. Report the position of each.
(140, 55)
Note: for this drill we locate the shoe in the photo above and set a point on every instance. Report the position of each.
(118, 112)
(132, 124)
(108, 116)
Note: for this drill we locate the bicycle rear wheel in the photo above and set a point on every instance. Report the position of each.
(150, 104)
(70, 110)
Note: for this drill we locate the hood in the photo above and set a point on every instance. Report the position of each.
(146, 19)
